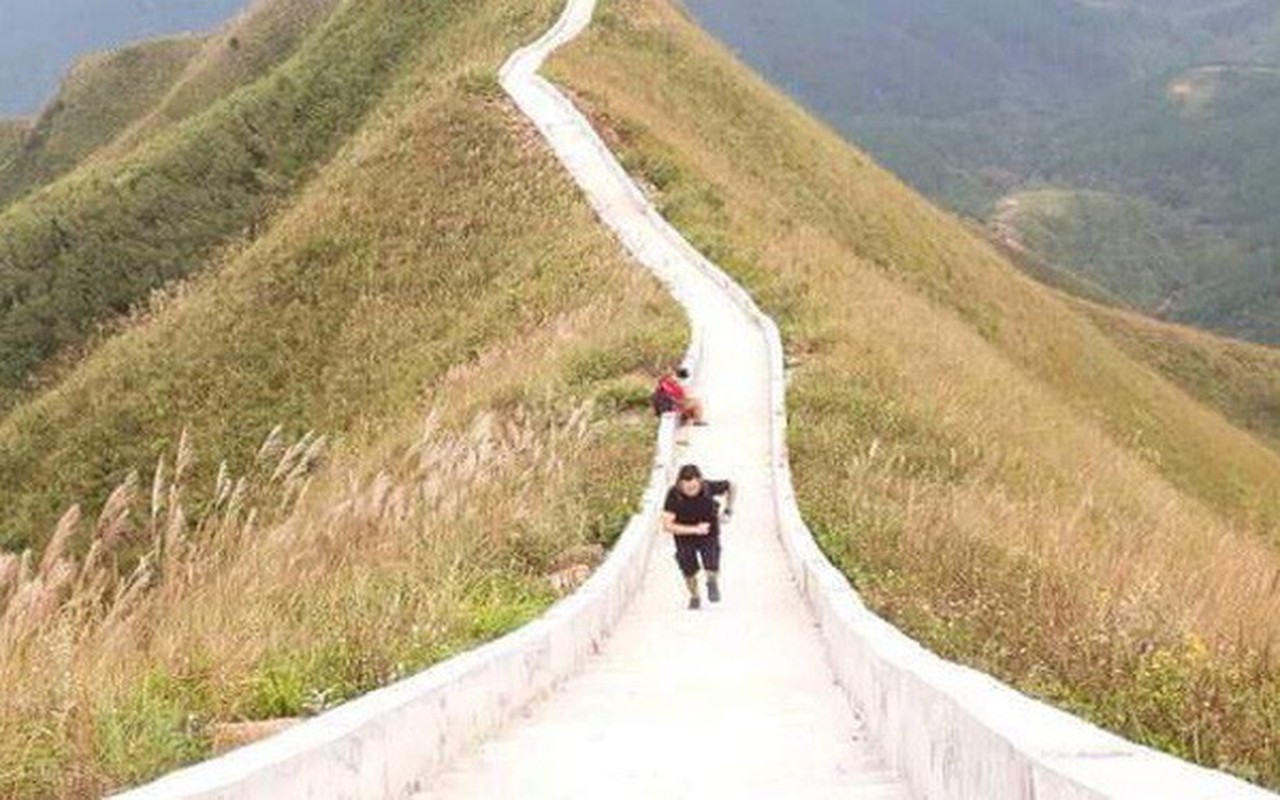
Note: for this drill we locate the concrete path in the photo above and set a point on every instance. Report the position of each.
(734, 700)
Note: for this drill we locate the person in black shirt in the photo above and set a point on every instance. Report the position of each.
(692, 515)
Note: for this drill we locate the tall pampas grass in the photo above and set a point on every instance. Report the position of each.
(341, 574)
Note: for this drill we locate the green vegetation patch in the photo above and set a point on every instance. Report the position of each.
(256, 41)
(1144, 255)
(152, 727)
(96, 244)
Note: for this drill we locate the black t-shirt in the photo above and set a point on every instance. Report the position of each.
(699, 508)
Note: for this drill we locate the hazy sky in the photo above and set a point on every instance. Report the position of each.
(40, 38)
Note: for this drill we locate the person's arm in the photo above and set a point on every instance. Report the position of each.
(670, 525)
(728, 491)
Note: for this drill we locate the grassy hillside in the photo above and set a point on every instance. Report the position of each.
(98, 242)
(474, 353)
(110, 103)
(404, 383)
(11, 133)
(251, 44)
(1240, 379)
(993, 470)
(99, 97)
(38, 40)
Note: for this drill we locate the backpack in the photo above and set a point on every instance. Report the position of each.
(662, 402)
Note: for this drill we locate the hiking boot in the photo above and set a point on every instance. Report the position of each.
(694, 603)
(713, 591)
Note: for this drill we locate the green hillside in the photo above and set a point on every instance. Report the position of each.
(96, 244)
(1023, 483)
(99, 97)
(39, 40)
(257, 40)
(430, 296)
(12, 132)
(1201, 146)
(110, 103)
(1240, 379)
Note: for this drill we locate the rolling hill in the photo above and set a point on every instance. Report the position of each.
(109, 103)
(339, 369)
(1200, 146)
(38, 40)
(96, 244)
(99, 98)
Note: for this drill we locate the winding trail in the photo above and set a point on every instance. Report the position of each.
(735, 700)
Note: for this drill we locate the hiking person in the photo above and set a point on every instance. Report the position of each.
(692, 516)
(672, 395)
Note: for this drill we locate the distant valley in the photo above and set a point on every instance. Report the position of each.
(1130, 145)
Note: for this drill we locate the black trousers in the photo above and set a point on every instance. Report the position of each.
(692, 549)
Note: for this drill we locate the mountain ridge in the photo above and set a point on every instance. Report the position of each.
(438, 306)
(38, 41)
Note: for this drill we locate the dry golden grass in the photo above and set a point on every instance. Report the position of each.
(296, 588)
(1241, 379)
(996, 472)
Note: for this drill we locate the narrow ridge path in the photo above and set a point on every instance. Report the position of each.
(736, 699)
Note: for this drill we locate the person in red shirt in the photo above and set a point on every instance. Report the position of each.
(671, 395)
(692, 516)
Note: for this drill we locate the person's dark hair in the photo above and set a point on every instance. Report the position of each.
(688, 471)
(682, 373)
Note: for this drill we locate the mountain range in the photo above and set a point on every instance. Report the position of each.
(1127, 144)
